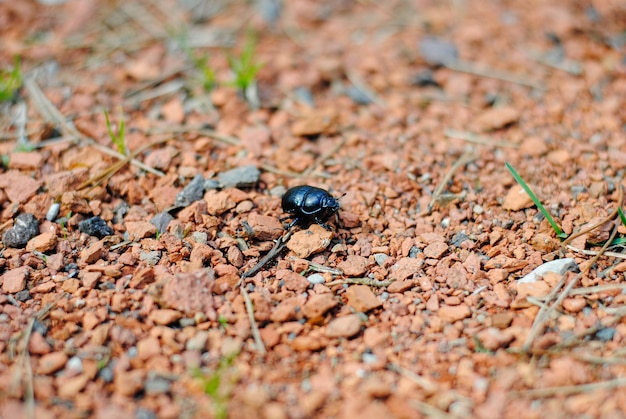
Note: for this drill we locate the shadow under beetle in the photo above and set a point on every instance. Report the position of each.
(309, 204)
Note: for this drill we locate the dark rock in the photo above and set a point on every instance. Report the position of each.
(191, 193)
(95, 226)
(25, 228)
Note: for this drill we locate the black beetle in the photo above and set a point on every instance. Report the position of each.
(308, 203)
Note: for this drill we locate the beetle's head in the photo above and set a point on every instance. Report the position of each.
(331, 204)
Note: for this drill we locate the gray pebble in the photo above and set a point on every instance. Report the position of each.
(53, 212)
(380, 258)
(151, 258)
(241, 177)
(25, 228)
(316, 279)
(156, 385)
(161, 221)
(191, 193)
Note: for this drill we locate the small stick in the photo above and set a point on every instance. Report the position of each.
(106, 174)
(611, 216)
(477, 139)
(498, 75)
(424, 383)
(569, 390)
(278, 247)
(595, 252)
(360, 84)
(598, 288)
(429, 411)
(323, 158)
(51, 114)
(362, 281)
(320, 268)
(258, 341)
(542, 318)
(179, 129)
(467, 157)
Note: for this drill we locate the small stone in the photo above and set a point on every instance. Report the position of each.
(265, 227)
(191, 293)
(70, 285)
(198, 342)
(307, 242)
(37, 345)
(156, 385)
(493, 338)
(496, 118)
(25, 160)
(90, 320)
(433, 303)
(148, 347)
(361, 298)
(128, 383)
(316, 122)
(42, 243)
(376, 335)
(453, 313)
(138, 230)
(558, 266)
(92, 253)
(316, 279)
(218, 202)
(344, 327)
(436, 51)
(559, 157)
(151, 258)
(400, 286)
(293, 281)
(501, 320)
(533, 146)
(191, 193)
(95, 226)
(517, 199)
(318, 305)
(574, 305)
(51, 362)
(405, 268)
(286, 310)
(72, 386)
(241, 177)
(307, 343)
(14, 280)
(380, 258)
(435, 250)
(18, 188)
(353, 265)
(165, 316)
(25, 228)
(161, 221)
(606, 334)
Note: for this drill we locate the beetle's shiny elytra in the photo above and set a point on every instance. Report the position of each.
(308, 204)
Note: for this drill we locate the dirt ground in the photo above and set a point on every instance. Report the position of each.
(135, 282)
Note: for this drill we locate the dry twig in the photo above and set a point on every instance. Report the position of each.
(361, 281)
(465, 158)
(477, 139)
(51, 114)
(569, 390)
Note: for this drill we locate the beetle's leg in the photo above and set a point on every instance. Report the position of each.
(323, 224)
(292, 223)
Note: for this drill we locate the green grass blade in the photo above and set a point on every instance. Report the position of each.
(544, 211)
(622, 216)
